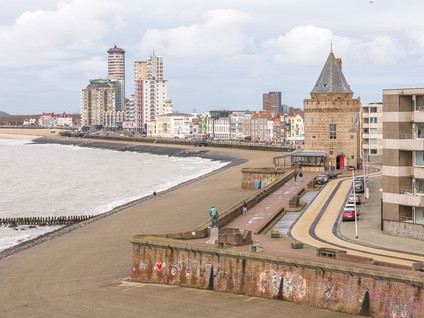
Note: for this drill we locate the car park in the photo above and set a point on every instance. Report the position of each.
(351, 199)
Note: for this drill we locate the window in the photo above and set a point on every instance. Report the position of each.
(373, 130)
(373, 109)
(351, 136)
(373, 120)
(333, 131)
(373, 151)
(373, 141)
(353, 157)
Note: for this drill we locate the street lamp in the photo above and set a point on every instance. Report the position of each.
(354, 200)
(381, 209)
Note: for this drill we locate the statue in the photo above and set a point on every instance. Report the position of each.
(214, 216)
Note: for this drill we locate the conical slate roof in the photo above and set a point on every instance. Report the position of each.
(331, 79)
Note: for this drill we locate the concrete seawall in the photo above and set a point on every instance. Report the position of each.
(340, 288)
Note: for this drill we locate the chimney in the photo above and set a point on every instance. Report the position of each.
(339, 61)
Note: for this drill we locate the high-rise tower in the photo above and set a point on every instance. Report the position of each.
(116, 73)
(150, 90)
(272, 102)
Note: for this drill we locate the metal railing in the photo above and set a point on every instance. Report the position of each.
(412, 192)
(405, 136)
(406, 219)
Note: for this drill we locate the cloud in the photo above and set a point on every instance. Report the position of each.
(91, 68)
(43, 37)
(307, 45)
(219, 35)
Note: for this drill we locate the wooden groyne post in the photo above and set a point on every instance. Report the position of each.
(45, 220)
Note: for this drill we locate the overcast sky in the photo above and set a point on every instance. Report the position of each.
(217, 54)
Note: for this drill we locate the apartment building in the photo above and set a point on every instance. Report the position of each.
(116, 73)
(272, 102)
(218, 124)
(96, 99)
(295, 128)
(150, 90)
(403, 162)
(174, 125)
(372, 133)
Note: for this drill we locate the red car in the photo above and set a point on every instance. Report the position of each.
(349, 215)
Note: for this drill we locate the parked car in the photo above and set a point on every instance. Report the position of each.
(331, 175)
(349, 215)
(351, 206)
(200, 142)
(359, 186)
(351, 199)
(321, 179)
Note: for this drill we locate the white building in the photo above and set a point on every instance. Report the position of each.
(218, 124)
(236, 124)
(64, 120)
(150, 91)
(372, 132)
(174, 125)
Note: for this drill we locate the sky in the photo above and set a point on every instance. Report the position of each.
(217, 54)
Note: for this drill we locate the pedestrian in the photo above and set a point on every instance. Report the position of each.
(154, 194)
(295, 175)
(214, 216)
(301, 175)
(244, 207)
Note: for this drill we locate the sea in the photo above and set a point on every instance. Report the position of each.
(64, 180)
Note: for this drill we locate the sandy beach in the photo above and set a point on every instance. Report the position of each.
(79, 274)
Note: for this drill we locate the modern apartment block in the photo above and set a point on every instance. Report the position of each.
(116, 73)
(272, 102)
(97, 98)
(403, 162)
(372, 133)
(331, 119)
(150, 90)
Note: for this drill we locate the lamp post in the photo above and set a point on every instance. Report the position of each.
(354, 200)
(381, 210)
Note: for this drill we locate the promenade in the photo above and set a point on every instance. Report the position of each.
(81, 274)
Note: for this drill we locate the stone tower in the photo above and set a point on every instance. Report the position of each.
(332, 118)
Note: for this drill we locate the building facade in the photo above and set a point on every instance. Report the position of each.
(116, 73)
(331, 119)
(403, 162)
(372, 133)
(174, 125)
(295, 128)
(150, 90)
(97, 98)
(272, 102)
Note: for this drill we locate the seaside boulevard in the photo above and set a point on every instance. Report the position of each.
(79, 274)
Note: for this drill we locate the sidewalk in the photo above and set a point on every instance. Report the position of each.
(258, 215)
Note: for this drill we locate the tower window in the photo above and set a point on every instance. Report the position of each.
(333, 131)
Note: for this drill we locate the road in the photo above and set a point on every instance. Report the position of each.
(318, 227)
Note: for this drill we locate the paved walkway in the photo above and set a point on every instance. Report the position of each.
(265, 210)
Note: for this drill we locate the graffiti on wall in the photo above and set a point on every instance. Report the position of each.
(270, 280)
(403, 307)
(184, 266)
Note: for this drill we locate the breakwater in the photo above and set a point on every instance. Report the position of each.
(45, 221)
